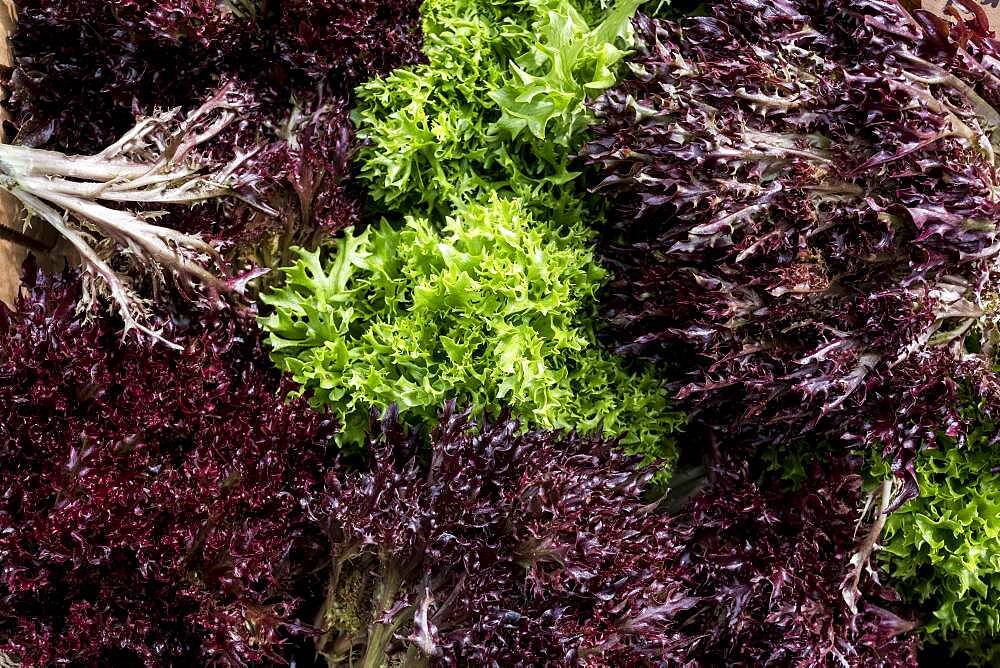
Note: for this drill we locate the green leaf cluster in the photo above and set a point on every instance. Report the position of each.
(483, 288)
(493, 307)
(497, 107)
(942, 549)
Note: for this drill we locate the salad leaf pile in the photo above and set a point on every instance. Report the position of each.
(773, 568)
(485, 292)
(514, 332)
(85, 69)
(498, 106)
(154, 506)
(505, 547)
(939, 548)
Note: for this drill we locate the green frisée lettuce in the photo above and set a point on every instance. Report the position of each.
(499, 105)
(941, 547)
(480, 285)
(493, 307)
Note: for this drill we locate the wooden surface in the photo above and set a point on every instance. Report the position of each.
(11, 255)
(990, 7)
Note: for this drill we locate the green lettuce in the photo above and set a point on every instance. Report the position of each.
(942, 549)
(498, 107)
(492, 308)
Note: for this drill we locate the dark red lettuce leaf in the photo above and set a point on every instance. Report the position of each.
(85, 68)
(770, 565)
(153, 502)
(504, 548)
(356, 39)
(507, 548)
(805, 225)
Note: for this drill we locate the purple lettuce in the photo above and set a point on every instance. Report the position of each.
(771, 568)
(805, 219)
(166, 507)
(153, 504)
(501, 547)
(84, 69)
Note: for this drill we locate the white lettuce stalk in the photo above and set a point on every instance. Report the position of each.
(84, 198)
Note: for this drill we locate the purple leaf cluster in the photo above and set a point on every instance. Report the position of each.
(770, 565)
(505, 548)
(805, 217)
(152, 502)
(84, 69)
(501, 547)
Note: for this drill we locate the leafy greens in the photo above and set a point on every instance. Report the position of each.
(805, 219)
(499, 105)
(494, 307)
